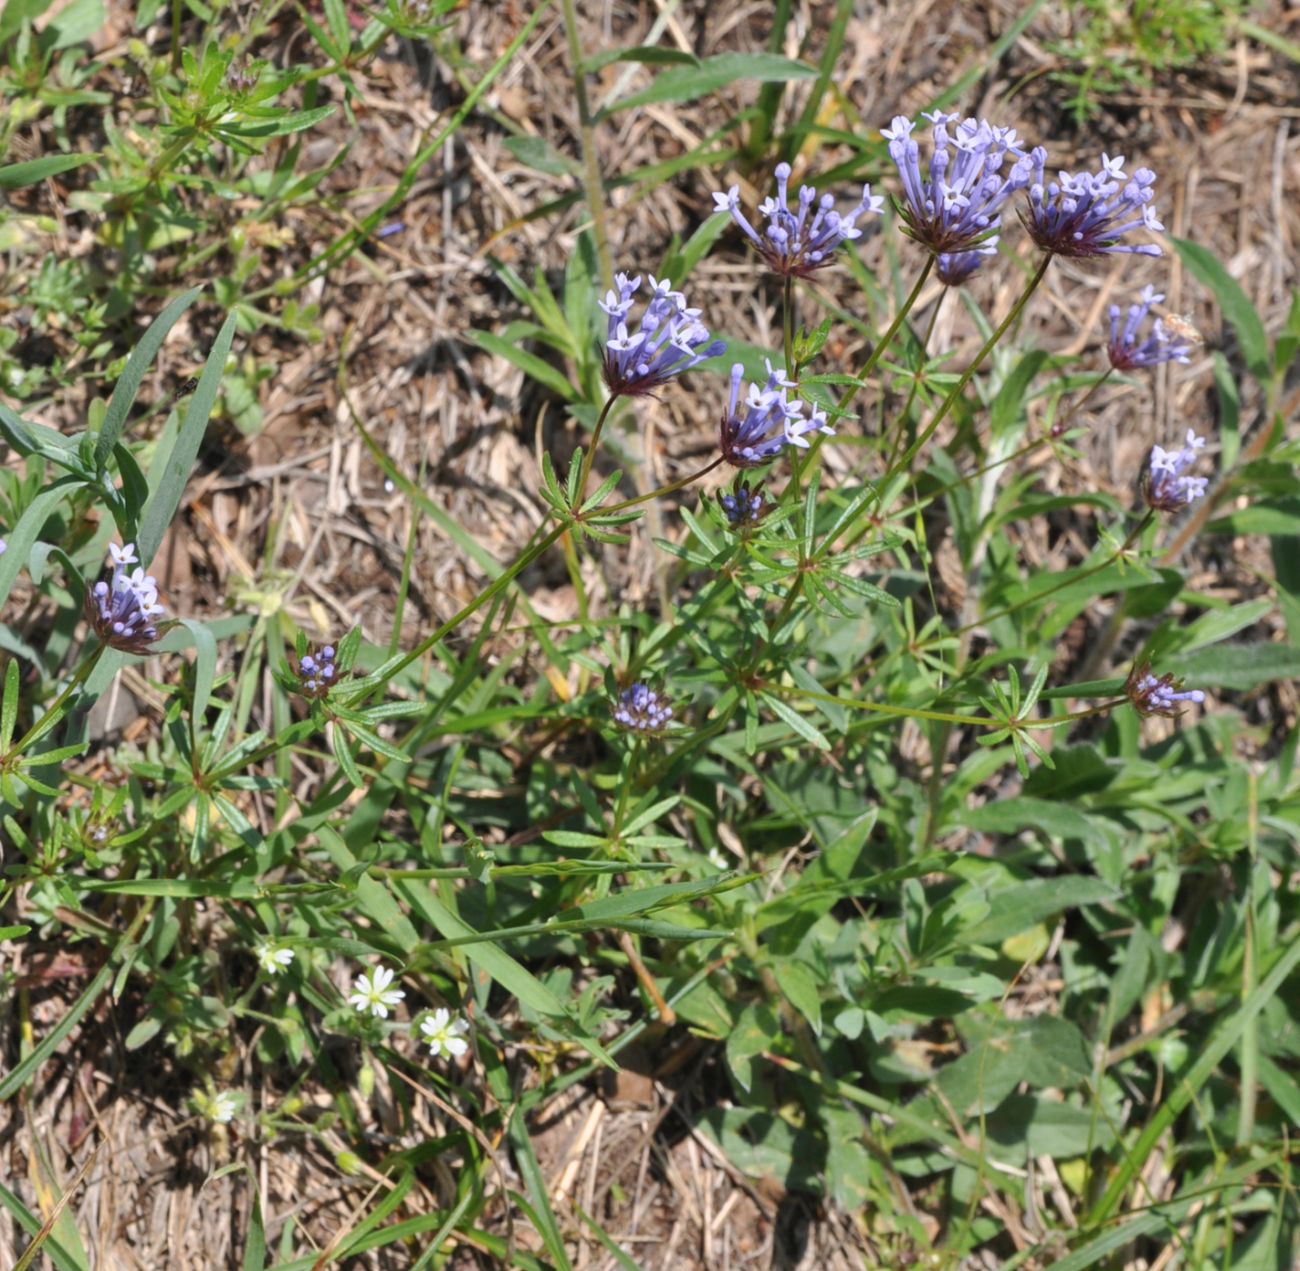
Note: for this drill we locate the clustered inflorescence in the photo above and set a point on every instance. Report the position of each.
(1165, 484)
(1170, 340)
(1089, 213)
(642, 710)
(743, 507)
(1158, 694)
(768, 421)
(955, 210)
(123, 610)
(316, 672)
(795, 244)
(671, 338)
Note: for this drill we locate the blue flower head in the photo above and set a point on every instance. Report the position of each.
(743, 507)
(642, 710)
(671, 338)
(798, 243)
(959, 203)
(316, 672)
(1089, 213)
(1157, 694)
(954, 269)
(122, 610)
(1164, 483)
(1170, 339)
(756, 432)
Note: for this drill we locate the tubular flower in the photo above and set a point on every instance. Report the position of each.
(1167, 342)
(1157, 694)
(796, 244)
(671, 339)
(960, 203)
(642, 710)
(1164, 486)
(122, 610)
(1088, 213)
(768, 422)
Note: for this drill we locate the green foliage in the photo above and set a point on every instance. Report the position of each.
(933, 916)
(1118, 46)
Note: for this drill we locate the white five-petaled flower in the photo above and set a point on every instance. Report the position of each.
(272, 958)
(444, 1032)
(373, 994)
(220, 1107)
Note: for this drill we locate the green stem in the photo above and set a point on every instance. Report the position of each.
(498, 585)
(659, 493)
(916, 380)
(53, 715)
(592, 184)
(1134, 535)
(976, 363)
(892, 330)
(589, 457)
(787, 324)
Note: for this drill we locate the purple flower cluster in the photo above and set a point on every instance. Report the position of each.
(642, 710)
(316, 672)
(795, 244)
(1089, 213)
(957, 207)
(1158, 694)
(768, 421)
(671, 338)
(1165, 485)
(122, 610)
(1168, 341)
(743, 507)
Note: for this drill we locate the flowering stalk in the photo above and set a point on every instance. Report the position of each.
(589, 457)
(54, 714)
(968, 374)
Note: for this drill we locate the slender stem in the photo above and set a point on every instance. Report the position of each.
(589, 457)
(52, 716)
(1059, 427)
(592, 184)
(498, 585)
(892, 330)
(787, 324)
(659, 493)
(960, 387)
(916, 382)
(1069, 581)
(887, 708)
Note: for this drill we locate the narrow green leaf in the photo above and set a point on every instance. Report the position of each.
(16, 175)
(170, 471)
(128, 383)
(543, 372)
(686, 83)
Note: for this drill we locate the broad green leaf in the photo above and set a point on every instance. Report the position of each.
(1236, 307)
(1238, 666)
(1017, 908)
(644, 54)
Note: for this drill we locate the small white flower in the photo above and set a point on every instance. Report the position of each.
(718, 859)
(443, 1033)
(273, 958)
(220, 1108)
(373, 994)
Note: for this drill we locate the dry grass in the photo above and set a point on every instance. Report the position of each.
(1226, 144)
